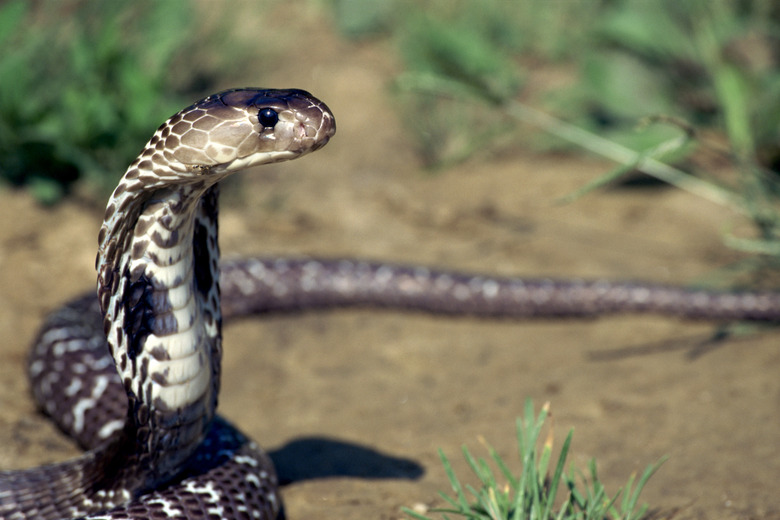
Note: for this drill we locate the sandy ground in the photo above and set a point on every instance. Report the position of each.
(355, 404)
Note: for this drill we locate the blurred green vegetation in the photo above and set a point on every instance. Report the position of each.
(712, 64)
(83, 84)
(682, 91)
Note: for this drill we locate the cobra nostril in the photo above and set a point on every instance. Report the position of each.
(302, 131)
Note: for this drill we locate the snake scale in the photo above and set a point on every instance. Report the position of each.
(146, 412)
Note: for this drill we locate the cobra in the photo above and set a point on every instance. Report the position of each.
(146, 413)
(158, 292)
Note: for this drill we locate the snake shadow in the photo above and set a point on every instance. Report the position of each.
(310, 458)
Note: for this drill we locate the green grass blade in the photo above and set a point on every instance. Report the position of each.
(454, 482)
(620, 154)
(557, 475)
(630, 504)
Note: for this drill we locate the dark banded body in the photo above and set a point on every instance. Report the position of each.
(263, 285)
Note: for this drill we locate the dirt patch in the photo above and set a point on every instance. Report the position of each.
(387, 389)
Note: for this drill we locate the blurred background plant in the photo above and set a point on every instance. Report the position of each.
(83, 84)
(687, 93)
(604, 65)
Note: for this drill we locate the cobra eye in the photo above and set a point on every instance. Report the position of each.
(268, 117)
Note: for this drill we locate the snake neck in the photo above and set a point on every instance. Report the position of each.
(158, 289)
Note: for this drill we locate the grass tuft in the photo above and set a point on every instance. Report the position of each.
(534, 492)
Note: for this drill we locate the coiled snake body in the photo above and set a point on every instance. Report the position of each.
(147, 412)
